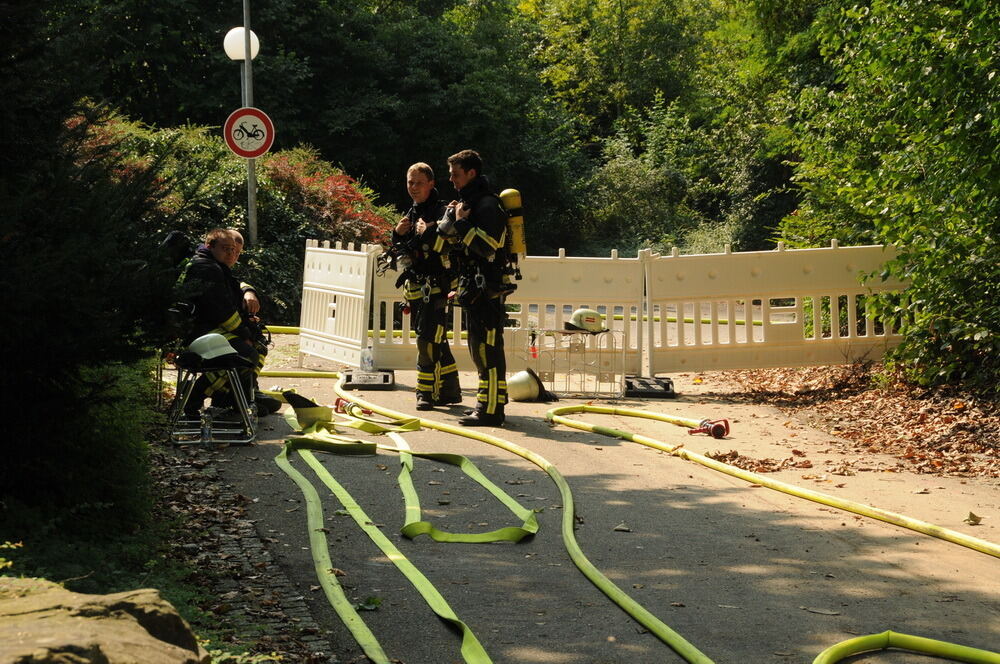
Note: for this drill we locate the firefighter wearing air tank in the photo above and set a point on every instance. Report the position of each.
(427, 278)
(477, 225)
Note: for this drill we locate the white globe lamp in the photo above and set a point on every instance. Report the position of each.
(235, 45)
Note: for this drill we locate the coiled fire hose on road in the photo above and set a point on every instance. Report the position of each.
(685, 649)
(472, 650)
(316, 432)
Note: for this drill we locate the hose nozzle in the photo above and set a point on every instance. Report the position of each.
(714, 428)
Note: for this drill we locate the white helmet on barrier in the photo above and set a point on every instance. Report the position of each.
(527, 386)
(209, 346)
(587, 320)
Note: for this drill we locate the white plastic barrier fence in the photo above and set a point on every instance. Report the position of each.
(336, 299)
(553, 287)
(670, 313)
(782, 308)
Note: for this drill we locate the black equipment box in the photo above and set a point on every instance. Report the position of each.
(650, 388)
(369, 380)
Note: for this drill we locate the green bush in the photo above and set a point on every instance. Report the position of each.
(666, 181)
(302, 197)
(651, 189)
(299, 197)
(80, 283)
(85, 469)
(87, 288)
(902, 149)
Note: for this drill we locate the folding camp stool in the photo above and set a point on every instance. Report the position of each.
(208, 429)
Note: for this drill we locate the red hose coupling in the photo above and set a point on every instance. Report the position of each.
(341, 405)
(714, 428)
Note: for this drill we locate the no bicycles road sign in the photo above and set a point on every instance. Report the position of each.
(249, 132)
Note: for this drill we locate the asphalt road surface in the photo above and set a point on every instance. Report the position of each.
(745, 574)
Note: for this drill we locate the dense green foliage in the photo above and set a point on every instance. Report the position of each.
(373, 86)
(78, 285)
(600, 58)
(551, 92)
(86, 198)
(904, 148)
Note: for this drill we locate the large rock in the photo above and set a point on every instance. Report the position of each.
(43, 622)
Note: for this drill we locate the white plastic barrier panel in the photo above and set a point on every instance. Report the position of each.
(779, 308)
(334, 321)
(553, 287)
(550, 289)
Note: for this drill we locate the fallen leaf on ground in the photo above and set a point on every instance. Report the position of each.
(369, 604)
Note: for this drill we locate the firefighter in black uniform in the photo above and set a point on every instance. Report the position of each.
(222, 304)
(427, 280)
(477, 225)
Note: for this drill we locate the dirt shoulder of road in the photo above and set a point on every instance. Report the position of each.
(943, 431)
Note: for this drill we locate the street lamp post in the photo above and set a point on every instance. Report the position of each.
(242, 44)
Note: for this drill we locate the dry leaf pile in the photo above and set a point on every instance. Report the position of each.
(734, 458)
(940, 431)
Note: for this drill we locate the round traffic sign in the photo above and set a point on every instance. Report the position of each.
(249, 132)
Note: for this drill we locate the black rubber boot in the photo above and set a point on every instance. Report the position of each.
(424, 401)
(266, 404)
(481, 418)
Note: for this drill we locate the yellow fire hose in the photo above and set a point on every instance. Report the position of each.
(556, 415)
(472, 650)
(919, 644)
(685, 649)
(642, 615)
(318, 429)
(282, 329)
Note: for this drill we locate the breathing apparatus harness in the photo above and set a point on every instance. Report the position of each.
(399, 254)
(473, 282)
(406, 255)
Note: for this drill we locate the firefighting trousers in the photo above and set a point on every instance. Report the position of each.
(484, 322)
(215, 384)
(437, 374)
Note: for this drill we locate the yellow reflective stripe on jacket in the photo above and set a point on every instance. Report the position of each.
(232, 323)
(475, 232)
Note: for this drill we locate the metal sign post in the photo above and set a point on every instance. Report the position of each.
(248, 102)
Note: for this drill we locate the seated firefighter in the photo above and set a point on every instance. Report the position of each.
(221, 304)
